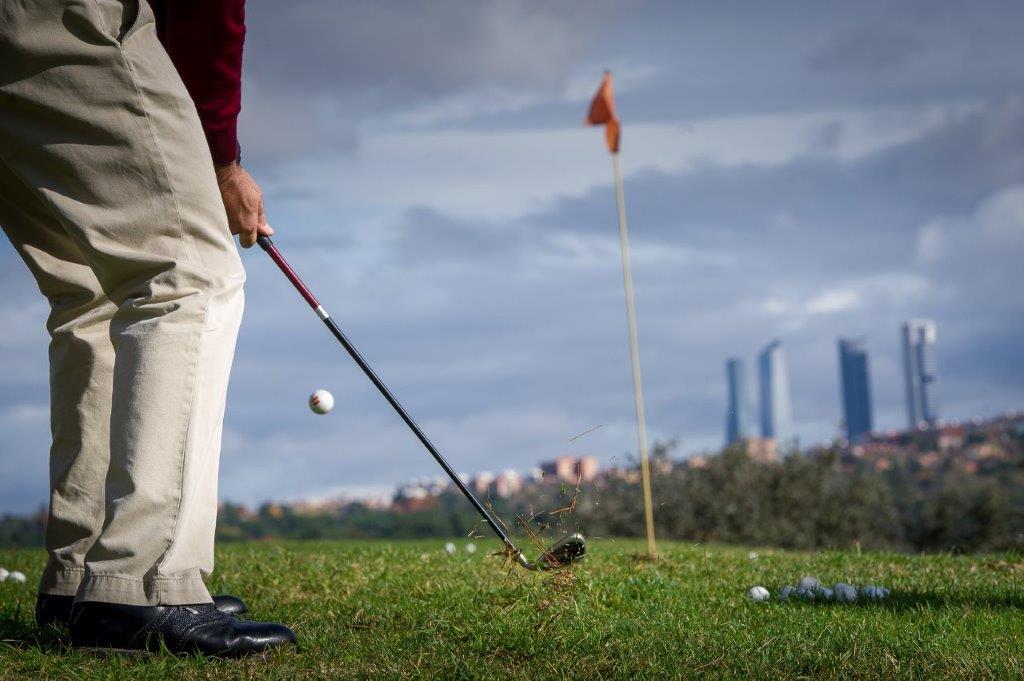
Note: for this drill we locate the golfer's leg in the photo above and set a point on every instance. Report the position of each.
(104, 132)
(81, 377)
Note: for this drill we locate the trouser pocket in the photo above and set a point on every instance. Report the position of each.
(120, 17)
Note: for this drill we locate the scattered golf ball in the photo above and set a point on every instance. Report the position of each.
(810, 589)
(321, 401)
(844, 593)
(752, 555)
(874, 593)
(808, 583)
(449, 548)
(758, 594)
(16, 576)
(805, 594)
(3, 574)
(471, 548)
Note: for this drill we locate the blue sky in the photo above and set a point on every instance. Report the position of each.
(794, 171)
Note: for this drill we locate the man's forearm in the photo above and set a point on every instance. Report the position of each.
(204, 39)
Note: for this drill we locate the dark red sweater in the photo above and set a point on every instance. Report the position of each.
(204, 39)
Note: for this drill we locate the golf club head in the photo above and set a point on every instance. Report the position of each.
(566, 551)
(563, 553)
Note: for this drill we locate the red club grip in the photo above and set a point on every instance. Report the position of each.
(267, 245)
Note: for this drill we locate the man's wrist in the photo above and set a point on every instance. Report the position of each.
(236, 162)
(225, 171)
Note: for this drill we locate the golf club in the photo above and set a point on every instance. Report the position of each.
(567, 550)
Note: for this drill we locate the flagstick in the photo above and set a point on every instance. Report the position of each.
(634, 352)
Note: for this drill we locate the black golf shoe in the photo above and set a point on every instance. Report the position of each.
(53, 610)
(182, 629)
(56, 610)
(230, 605)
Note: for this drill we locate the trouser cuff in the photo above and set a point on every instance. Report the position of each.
(186, 589)
(61, 581)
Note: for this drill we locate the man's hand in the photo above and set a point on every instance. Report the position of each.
(243, 200)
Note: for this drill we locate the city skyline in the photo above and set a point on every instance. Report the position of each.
(919, 371)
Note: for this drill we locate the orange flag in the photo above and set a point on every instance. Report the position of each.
(602, 112)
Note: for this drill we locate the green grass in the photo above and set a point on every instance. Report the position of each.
(406, 609)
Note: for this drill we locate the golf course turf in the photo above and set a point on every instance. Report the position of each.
(407, 609)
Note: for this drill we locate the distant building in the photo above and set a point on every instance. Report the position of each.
(761, 449)
(856, 388)
(951, 437)
(626, 474)
(919, 371)
(737, 419)
(481, 482)
(507, 484)
(570, 469)
(776, 407)
(587, 468)
(696, 461)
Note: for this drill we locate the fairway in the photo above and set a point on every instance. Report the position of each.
(407, 609)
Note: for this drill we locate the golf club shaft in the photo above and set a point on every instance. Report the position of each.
(267, 245)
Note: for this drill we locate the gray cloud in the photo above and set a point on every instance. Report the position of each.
(869, 50)
(410, 52)
(320, 70)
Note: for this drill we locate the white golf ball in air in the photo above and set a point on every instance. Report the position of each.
(758, 594)
(321, 401)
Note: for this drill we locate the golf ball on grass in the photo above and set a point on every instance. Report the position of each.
(839, 593)
(758, 594)
(449, 548)
(471, 548)
(805, 594)
(3, 574)
(844, 593)
(808, 583)
(874, 593)
(16, 576)
(321, 401)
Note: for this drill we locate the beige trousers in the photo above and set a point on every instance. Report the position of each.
(107, 191)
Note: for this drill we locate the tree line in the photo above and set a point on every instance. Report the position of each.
(822, 500)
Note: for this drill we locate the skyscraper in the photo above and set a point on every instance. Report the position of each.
(776, 408)
(919, 371)
(737, 420)
(856, 388)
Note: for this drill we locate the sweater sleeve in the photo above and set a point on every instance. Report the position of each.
(204, 39)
